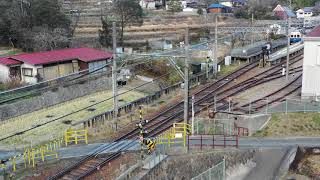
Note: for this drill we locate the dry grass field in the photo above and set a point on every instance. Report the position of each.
(56, 129)
(292, 124)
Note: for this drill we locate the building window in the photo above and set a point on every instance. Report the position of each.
(27, 72)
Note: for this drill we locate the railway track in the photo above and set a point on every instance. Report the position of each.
(276, 96)
(164, 120)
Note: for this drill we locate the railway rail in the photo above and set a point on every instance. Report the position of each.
(276, 96)
(164, 120)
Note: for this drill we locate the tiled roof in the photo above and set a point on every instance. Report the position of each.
(217, 6)
(48, 57)
(308, 9)
(289, 12)
(315, 32)
(8, 61)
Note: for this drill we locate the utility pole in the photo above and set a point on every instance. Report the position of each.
(114, 74)
(216, 48)
(288, 45)
(252, 34)
(186, 78)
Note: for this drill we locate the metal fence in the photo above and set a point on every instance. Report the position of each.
(294, 105)
(217, 172)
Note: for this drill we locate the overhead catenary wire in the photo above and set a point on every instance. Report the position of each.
(81, 109)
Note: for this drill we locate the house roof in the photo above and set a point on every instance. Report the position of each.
(238, 1)
(288, 11)
(7, 61)
(217, 6)
(48, 57)
(315, 32)
(308, 9)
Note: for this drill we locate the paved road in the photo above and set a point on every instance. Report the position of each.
(267, 163)
(272, 148)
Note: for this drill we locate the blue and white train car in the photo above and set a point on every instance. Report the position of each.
(295, 37)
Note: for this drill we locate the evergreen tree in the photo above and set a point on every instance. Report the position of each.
(105, 35)
(174, 6)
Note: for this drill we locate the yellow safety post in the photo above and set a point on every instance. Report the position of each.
(13, 161)
(3, 166)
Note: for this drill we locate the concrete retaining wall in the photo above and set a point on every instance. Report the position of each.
(252, 122)
(187, 166)
(53, 97)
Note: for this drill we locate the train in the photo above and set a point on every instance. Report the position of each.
(295, 37)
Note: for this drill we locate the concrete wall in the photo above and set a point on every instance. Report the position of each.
(187, 166)
(311, 67)
(252, 122)
(4, 73)
(53, 97)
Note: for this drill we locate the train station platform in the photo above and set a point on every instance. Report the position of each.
(254, 51)
(279, 55)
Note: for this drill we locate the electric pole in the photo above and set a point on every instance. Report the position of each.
(114, 74)
(252, 34)
(216, 48)
(186, 78)
(288, 45)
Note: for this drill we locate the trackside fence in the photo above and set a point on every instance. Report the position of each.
(217, 172)
(129, 107)
(289, 105)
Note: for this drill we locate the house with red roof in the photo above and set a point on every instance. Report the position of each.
(311, 65)
(39, 66)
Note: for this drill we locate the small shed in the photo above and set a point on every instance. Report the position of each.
(219, 8)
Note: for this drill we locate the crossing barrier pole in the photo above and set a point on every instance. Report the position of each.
(224, 141)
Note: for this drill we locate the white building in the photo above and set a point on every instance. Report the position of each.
(305, 12)
(9, 69)
(311, 64)
(148, 4)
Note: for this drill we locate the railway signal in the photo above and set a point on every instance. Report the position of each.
(143, 140)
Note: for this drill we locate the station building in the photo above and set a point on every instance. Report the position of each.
(311, 65)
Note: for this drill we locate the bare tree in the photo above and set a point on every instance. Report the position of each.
(127, 12)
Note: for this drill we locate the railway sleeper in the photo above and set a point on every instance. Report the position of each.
(68, 178)
(76, 173)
